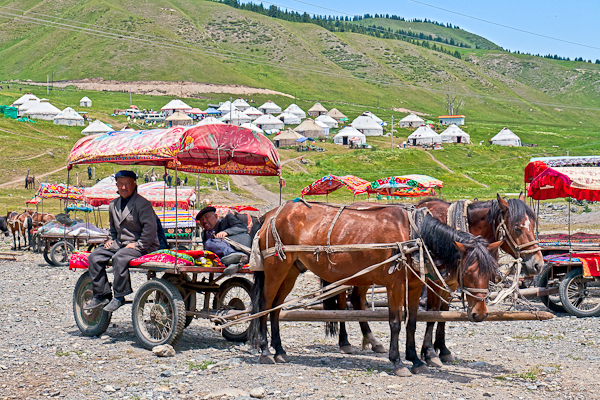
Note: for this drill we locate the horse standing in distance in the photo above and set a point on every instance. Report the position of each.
(30, 182)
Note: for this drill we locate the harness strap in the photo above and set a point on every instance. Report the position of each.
(332, 224)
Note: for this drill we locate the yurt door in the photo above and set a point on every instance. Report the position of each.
(345, 140)
(458, 139)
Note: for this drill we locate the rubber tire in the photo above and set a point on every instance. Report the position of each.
(46, 254)
(188, 307)
(100, 318)
(191, 300)
(571, 309)
(36, 243)
(223, 289)
(176, 302)
(542, 282)
(55, 248)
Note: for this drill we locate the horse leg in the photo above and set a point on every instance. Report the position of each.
(428, 352)
(331, 328)
(358, 298)
(345, 346)
(284, 290)
(440, 338)
(414, 295)
(395, 300)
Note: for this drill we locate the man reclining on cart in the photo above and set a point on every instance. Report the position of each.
(133, 233)
(215, 230)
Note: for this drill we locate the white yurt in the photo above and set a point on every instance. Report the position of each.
(236, 117)
(69, 117)
(241, 104)
(375, 117)
(96, 127)
(310, 129)
(24, 98)
(317, 110)
(411, 120)
(324, 126)
(26, 106)
(85, 102)
(253, 112)
(289, 118)
(210, 121)
(367, 126)
(270, 108)
(296, 110)
(327, 120)
(268, 122)
(453, 134)
(506, 137)
(252, 127)
(227, 107)
(423, 135)
(42, 110)
(343, 137)
(178, 118)
(174, 106)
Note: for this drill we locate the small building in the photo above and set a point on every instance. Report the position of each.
(317, 110)
(69, 117)
(241, 104)
(96, 127)
(175, 105)
(26, 106)
(453, 134)
(85, 102)
(287, 138)
(270, 108)
(424, 135)
(337, 115)
(296, 110)
(179, 118)
(24, 98)
(310, 129)
(451, 119)
(349, 134)
(289, 118)
(506, 137)
(367, 126)
(268, 122)
(236, 117)
(327, 120)
(324, 126)
(375, 117)
(253, 113)
(42, 110)
(411, 121)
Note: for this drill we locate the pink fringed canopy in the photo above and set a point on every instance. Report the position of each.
(330, 183)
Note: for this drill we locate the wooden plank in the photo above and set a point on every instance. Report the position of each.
(10, 253)
(426, 316)
(10, 258)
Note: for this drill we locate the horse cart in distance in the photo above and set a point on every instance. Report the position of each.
(167, 303)
(571, 270)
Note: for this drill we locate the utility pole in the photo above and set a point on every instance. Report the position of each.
(130, 102)
(52, 80)
(392, 136)
(47, 84)
(230, 110)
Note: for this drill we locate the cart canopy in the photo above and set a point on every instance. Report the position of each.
(580, 183)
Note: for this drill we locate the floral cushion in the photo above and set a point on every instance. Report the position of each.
(163, 256)
(79, 260)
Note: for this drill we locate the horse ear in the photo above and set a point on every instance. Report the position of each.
(502, 203)
(460, 247)
(494, 246)
(522, 197)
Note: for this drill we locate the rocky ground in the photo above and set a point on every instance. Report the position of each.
(43, 354)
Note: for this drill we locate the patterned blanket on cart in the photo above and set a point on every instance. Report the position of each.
(589, 261)
(564, 239)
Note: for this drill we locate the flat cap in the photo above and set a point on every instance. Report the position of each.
(205, 210)
(125, 174)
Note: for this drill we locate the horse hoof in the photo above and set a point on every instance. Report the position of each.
(447, 358)
(266, 360)
(346, 349)
(379, 349)
(434, 362)
(402, 372)
(282, 358)
(422, 369)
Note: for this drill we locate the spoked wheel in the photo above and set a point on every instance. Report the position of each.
(36, 243)
(234, 295)
(46, 253)
(189, 296)
(158, 314)
(60, 254)
(551, 301)
(90, 323)
(580, 296)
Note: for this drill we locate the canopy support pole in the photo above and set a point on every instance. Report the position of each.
(280, 186)
(570, 246)
(176, 204)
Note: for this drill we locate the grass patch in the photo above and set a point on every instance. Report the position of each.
(199, 366)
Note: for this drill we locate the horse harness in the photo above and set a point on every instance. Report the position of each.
(502, 233)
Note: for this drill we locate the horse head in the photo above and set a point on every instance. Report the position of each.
(477, 268)
(515, 226)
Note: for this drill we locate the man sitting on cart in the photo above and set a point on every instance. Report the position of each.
(133, 233)
(216, 229)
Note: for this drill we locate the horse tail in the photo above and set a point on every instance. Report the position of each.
(258, 303)
(28, 227)
(331, 303)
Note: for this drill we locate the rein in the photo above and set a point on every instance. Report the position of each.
(502, 233)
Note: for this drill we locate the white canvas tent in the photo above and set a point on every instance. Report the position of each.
(343, 137)
(252, 127)
(424, 135)
(268, 122)
(26, 106)
(506, 137)
(296, 110)
(375, 117)
(175, 105)
(24, 98)
(324, 126)
(287, 138)
(327, 120)
(367, 126)
(210, 121)
(226, 107)
(270, 108)
(411, 120)
(253, 113)
(69, 117)
(96, 127)
(241, 104)
(85, 102)
(289, 119)
(453, 134)
(179, 118)
(236, 117)
(42, 110)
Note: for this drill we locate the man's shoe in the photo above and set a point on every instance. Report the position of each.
(96, 302)
(114, 305)
(232, 269)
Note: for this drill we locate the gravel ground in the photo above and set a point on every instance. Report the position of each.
(43, 354)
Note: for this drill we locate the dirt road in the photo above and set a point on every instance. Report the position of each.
(249, 184)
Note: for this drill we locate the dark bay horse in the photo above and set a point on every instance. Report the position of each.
(297, 224)
(4, 226)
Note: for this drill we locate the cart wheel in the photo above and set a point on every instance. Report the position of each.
(158, 313)
(46, 254)
(60, 254)
(190, 301)
(579, 295)
(90, 323)
(36, 243)
(551, 301)
(235, 294)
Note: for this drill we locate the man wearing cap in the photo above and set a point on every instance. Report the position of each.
(133, 233)
(215, 229)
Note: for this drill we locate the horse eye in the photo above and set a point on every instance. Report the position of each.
(518, 229)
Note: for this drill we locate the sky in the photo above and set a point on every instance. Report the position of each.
(570, 21)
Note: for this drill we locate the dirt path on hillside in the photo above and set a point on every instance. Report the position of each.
(21, 180)
(160, 88)
(452, 172)
(249, 184)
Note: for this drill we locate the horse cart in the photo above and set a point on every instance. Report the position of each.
(167, 302)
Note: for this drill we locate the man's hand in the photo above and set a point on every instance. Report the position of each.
(108, 244)
(130, 246)
(221, 235)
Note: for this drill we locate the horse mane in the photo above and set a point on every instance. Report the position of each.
(431, 200)
(517, 210)
(439, 239)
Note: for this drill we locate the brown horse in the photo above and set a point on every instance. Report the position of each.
(30, 182)
(297, 224)
(40, 219)
(20, 225)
